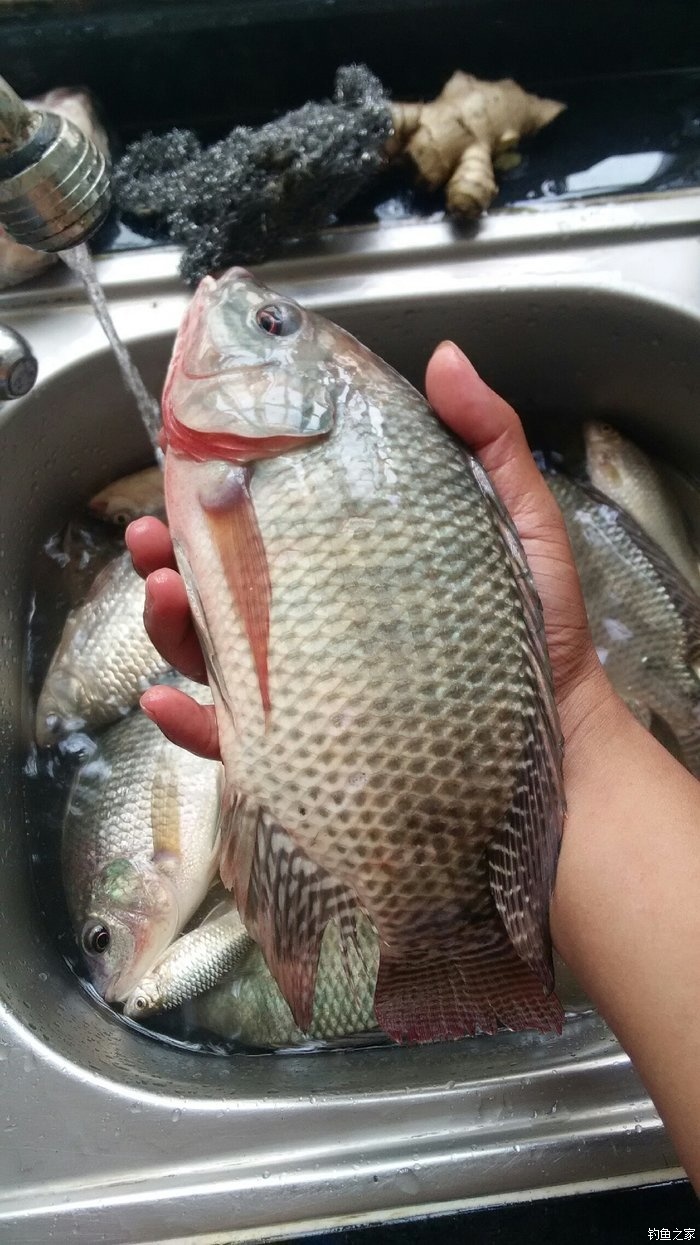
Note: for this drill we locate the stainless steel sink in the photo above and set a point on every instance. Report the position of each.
(110, 1136)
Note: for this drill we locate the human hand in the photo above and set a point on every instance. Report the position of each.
(494, 433)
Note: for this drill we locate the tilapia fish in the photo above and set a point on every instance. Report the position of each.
(139, 849)
(130, 497)
(624, 473)
(644, 616)
(376, 653)
(248, 1007)
(104, 660)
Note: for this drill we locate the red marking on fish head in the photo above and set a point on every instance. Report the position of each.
(252, 374)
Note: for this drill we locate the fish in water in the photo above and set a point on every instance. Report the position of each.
(624, 473)
(643, 614)
(193, 963)
(130, 497)
(104, 659)
(139, 848)
(248, 1008)
(376, 652)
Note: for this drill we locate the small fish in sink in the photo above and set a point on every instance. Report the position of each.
(139, 848)
(377, 658)
(104, 660)
(130, 497)
(249, 1008)
(643, 614)
(626, 475)
(195, 962)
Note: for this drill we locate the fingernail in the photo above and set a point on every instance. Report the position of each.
(448, 344)
(144, 705)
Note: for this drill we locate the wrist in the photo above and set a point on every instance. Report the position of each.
(594, 719)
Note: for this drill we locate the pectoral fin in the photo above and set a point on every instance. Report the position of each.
(234, 527)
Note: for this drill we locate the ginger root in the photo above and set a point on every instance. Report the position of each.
(456, 137)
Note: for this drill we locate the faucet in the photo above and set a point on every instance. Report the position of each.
(54, 193)
(54, 186)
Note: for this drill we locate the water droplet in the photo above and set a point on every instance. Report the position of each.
(176, 1115)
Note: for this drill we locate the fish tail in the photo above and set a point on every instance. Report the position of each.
(477, 987)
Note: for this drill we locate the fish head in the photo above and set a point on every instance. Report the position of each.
(143, 1000)
(129, 498)
(63, 692)
(253, 374)
(131, 917)
(116, 508)
(607, 455)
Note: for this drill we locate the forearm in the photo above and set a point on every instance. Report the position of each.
(626, 908)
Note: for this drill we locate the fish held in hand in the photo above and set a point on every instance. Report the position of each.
(195, 962)
(104, 660)
(625, 474)
(139, 849)
(130, 498)
(376, 652)
(643, 615)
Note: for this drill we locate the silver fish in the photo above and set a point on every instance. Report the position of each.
(130, 497)
(195, 962)
(139, 848)
(248, 1007)
(104, 660)
(644, 616)
(376, 653)
(624, 473)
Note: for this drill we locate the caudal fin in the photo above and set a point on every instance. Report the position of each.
(468, 990)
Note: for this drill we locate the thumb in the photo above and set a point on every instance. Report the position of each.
(492, 430)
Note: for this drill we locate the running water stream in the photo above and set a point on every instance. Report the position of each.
(79, 260)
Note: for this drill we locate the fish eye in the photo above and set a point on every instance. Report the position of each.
(278, 319)
(95, 938)
(121, 518)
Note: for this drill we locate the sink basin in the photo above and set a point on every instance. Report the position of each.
(113, 1136)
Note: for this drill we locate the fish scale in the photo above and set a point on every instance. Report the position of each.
(371, 582)
(104, 660)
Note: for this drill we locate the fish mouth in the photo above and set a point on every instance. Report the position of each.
(122, 984)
